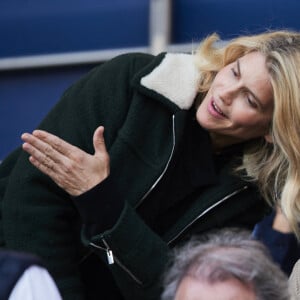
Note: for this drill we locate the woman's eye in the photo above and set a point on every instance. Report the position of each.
(251, 102)
(234, 72)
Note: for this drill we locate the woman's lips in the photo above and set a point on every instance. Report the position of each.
(215, 111)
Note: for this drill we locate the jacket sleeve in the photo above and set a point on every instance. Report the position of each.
(112, 228)
(135, 254)
(283, 247)
(138, 257)
(5, 169)
(39, 217)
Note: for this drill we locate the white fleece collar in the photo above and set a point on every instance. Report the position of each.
(176, 78)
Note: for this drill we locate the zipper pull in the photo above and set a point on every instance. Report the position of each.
(110, 257)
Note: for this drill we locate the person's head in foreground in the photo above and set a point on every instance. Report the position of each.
(226, 265)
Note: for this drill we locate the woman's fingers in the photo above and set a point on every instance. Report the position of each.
(48, 153)
(71, 168)
(38, 158)
(99, 143)
(46, 168)
(41, 151)
(55, 142)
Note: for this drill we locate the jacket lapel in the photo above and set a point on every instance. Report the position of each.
(170, 78)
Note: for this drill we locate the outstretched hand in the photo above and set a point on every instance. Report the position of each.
(72, 169)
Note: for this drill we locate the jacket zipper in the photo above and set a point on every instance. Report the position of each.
(165, 169)
(205, 212)
(111, 259)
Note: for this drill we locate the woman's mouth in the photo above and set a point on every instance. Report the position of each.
(215, 111)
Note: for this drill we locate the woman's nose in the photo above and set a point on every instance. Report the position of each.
(227, 94)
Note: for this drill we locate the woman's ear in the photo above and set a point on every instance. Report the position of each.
(268, 138)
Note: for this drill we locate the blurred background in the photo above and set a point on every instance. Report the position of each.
(47, 45)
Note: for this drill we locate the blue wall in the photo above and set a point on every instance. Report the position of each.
(52, 26)
(26, 97)
(29, 27)
(194, 19)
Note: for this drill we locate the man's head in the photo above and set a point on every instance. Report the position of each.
(224, 265)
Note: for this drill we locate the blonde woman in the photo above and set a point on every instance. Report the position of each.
(192, 142)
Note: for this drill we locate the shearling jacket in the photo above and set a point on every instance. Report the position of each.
(143, 103)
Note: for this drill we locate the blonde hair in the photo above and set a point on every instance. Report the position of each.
(274, 167)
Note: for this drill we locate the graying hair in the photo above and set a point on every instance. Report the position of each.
(224, 255)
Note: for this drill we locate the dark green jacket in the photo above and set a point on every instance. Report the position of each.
(142, 101)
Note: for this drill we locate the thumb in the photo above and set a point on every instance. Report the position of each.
(98, 141)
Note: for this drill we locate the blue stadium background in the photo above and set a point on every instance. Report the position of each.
(31, 28)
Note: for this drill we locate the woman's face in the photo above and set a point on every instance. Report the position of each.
(239, 103)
